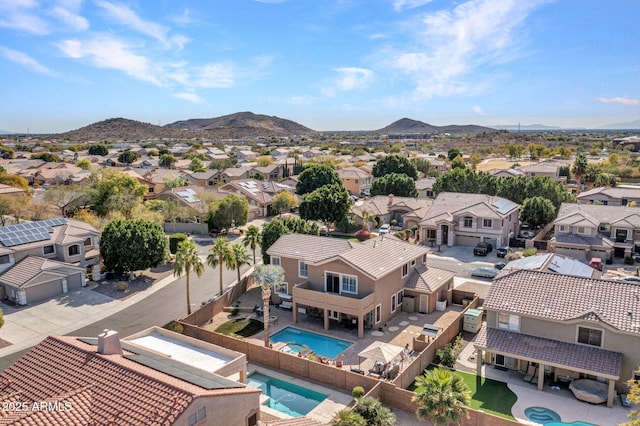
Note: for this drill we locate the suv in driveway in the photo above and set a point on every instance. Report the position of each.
(502, 251)
(482, 249)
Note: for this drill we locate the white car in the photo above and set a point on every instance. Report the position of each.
(384, 229)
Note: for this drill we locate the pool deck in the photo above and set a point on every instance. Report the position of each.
(561, 400)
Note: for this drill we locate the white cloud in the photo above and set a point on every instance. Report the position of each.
(21, 15)
(188, 96)
(68, 12)
(24, 60)
(348, 79)
(479, 110)
(409, 4)
(109, 52)
(620, 101)
(454, 43)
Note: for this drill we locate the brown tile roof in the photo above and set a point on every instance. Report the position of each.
(428, 279)
(310, 248)
(101, 388)
(448, 205)
(592, 360)
(31, 266)
(559, 297)
(594, 214)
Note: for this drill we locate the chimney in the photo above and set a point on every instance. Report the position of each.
(109, 343)
(390, 199)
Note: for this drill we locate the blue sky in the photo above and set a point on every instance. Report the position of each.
(329, 65)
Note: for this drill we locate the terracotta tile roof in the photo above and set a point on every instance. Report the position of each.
(428, 279)
(31, 266)
(592, 360)
(310, 248)
(559, 297)
(101, 388)
(381, 205)
(448, 205)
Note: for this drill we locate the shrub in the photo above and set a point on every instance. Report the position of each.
(512, 256)
(394, 222)
(311, 357)
(346, 225)
(234, 311)
(174, 326)
(174, 240)
(357, 392)
(122, 285)
(629, 260)
(363, 235)
(449, 354)
(529, 252)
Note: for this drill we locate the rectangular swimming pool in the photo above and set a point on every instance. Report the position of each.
(284, 396)
(320, 344)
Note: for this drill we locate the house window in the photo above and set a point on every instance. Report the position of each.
(349, 284)
(393, 302)
(590, 336)
(563, 228)
(4, 259)
(282, 288)
(275, 260)
(431, 233)
(378, 314)
(487, 223)
(48, 249)
(580, 229)
(508, 321)
(151, 189)
(405, 270)
(399, 299)
(468, 222)
(87, 242)
(74, 250)
(413, 263)
(194, 419)
(303, 270)
(625, 201)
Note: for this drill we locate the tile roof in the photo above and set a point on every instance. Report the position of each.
(30, 267)
(310, 248)
(381, 205)
(572, 214)
(594, 360)
(101, 388)
(615, 192)
(428, 279)
(558, 297)
(448, 205)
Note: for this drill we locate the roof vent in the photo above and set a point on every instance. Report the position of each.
(109, 343)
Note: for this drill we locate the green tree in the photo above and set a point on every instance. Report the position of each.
(348, 418)
(132, 245)
(188, 260)
(65, 197)
(127, 157)
(232, 209)
(5, 209)
(267, 276)
(174, 181)
(579, 168)
(84, 164)
(252, 239)
(240, 258)
(475, 159)
(99, 149)
(537, 211)
(13, 180)
(314, 176)
(397, 184)
(276, 228)
(421, 164)
(634, 397)
(443, 397)
(394, 163)
(373, 412)
(111, 190)
(458, 163)
(283, 201)
(328, 204)
(264, 161)
(453, 153)
(167, 160)
(196, 165)
(220, 255)
(1, 318)
(49, 157)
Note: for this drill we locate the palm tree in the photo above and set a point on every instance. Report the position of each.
(252, 239)
(240, 257)
(579, 168)
(374, 413)
(442, 395)
(187, 260)
(267, 276)
(220, 255)
(348, 418)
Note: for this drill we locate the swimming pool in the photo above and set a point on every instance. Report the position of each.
(318, 343)
(549, 417)
(286, 397)
(292, 348)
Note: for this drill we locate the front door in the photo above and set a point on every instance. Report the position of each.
(424, 304)
(500, 359)
(333, 283)
(445, 234)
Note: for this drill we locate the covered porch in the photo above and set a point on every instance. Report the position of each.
(564, 360)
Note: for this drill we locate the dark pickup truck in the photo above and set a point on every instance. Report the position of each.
(482, 249)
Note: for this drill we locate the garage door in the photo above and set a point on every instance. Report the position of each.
(44, 291)
(74, 282)
(466, 240)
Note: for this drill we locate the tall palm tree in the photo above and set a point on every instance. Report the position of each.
(267, 276)
(220, 255)
(252, 239)
(443, 397)
(240, 257)
(188, 260)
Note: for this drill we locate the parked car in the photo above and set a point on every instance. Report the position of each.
(596, 263)
(484, 272)
(482, 249)
(384, 229)
(503, 251)
(500, 265)
(630, 278)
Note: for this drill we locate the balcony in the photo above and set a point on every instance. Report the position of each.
(351, 304)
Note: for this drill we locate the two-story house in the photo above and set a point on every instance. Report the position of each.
(565, 326)
(584, 231)
(361, 283)
(259, 194)
(468, 219)
(617, 196)
(381, 209)
(39, 260)
(355, 180)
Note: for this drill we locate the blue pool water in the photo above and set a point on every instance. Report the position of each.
(292, 348)
(549, 417)
(284, 396)
(318, 343)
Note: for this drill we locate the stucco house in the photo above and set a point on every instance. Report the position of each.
(361, 284)
(259, 194)
(568, 327)
(382, 209)
(617, 196)
(468, 219)
(356, 180)
(584, 231)
(39, 260)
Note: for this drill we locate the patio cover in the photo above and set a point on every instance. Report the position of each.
(381, 352)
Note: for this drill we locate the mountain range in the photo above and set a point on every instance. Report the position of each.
(409, 126)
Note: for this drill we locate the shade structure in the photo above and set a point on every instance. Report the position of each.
(381, 352)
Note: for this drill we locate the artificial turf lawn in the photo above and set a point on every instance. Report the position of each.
(487, 395)
(240, 327)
